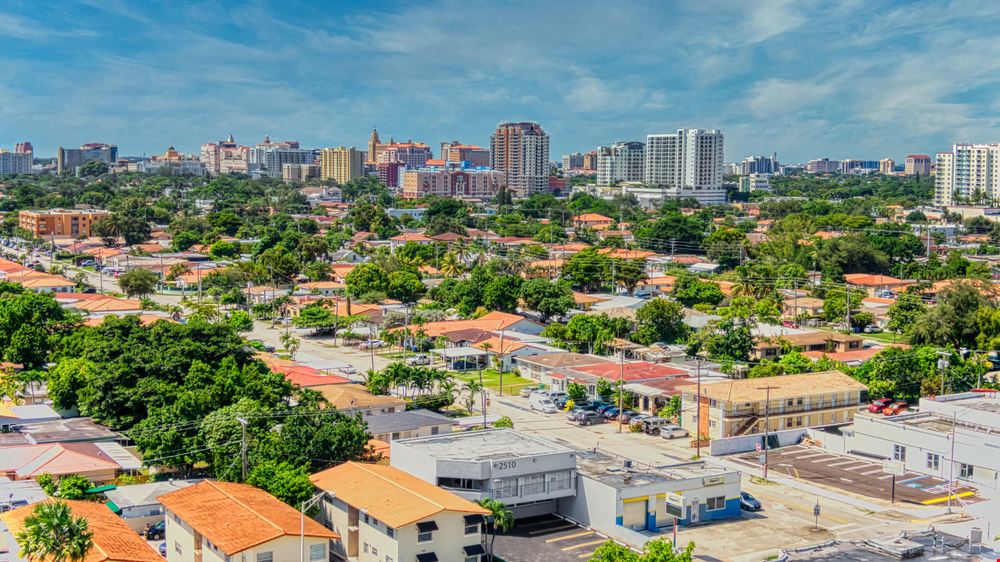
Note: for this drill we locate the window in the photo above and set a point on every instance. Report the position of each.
(933, 461)
(425, 531)
(395, 435)
(390, 532)
(899, 453)
(177, 547)
(366, 548)
(472, 558)
(965, 470)
(425, 537)
(365, 517)
(265, 556)
(374, 551)
(434, 430)
(790, 402)
(718, 502)
(712, 423)
(472, 524)
(317, 552)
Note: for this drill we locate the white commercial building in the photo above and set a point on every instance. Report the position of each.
(952, 436)
(15, 163)
(755, 182)
(970, 173)
(521, 152)
(687, 163)
(623, 161)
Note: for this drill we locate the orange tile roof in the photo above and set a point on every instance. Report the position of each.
(355, 396)
(107, 304)
(871, 280)
(592, 217)
(236, 517)
(411, 237)
(113, 540)
(144, 319)
(389, 494)
(583, 298)
(494, 321)
(509, 345)
(623, 254)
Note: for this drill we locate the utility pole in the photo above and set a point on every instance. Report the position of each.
(942, 365)
(951, 470)
(621, 387)
(848, 290)
(767, 420)
(243, 445)
(501, 366)
(697, 413)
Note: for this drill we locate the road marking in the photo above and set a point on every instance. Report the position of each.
(844, 526)
(825, 459)
(551, 529)
(859, 467)
(588, 555)
(945, 498)
(870, 472)
(921, 477)
(567, 537)
(798, 458)
(583, 544)
(886, 477)
(841, 463)
(798, 451)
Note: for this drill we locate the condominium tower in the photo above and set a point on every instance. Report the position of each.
(622, 161)
(917, 164)
(573, 161)
(970, 173)
(341, 164)
(687, 163)
(15, 162)
(521, 152)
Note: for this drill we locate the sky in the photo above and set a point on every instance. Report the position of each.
(803, 78)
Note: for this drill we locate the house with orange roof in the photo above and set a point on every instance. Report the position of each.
(146, 319)
(507, 349)
(339, 271)
(325, 288)
(103, 253)
(112, 539)
(494, 321)
(94, 303)
(307, 377)
(383, 513)
(415, 237)
(543, 269)
(98, 462)
(593, 221)
(38, 282)
(876, 284)
(626, 254)
(225, 521)
(583, 301)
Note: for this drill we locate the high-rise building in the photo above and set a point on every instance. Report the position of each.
(267, 158)
(969, 173)
(755, 182)
(68, 159)
(412, 154)
(374, 146)
(299, 172)
(573, 161)
(341, 164)
(225, 157)
(389, 173)
(590, 161)
(24, 148)
(455, 152)
(622, 161)
(859, 166)
(886, 166)
(15, 162)
(173, 163)
(823, 166)
(760, 165)
(466, 183)
(687, 163)
(521, 152)
(917, 164)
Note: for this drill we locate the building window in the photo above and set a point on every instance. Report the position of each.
(425, 537)
(365, 517)
(390, 532)
(965, 470)
(265, 556)
(374, 551)
(434, 430)
(718, 502)
(177, 547)
(933, 461)
(472, 524)
(474, 558)
(425, 531)
(317, 552)
(899, 453)
(366, 548)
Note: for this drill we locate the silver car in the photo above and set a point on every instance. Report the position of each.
(673, 432)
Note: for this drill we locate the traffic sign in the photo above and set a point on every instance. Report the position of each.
(759, 449)
(893, 467)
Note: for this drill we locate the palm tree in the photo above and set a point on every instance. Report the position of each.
(472, 388)
(450, 266)
(501, 518)
(51, 532)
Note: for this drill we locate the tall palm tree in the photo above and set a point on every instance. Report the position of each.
(501, 519)
(472, 390)
(450, 266)
(52, 532)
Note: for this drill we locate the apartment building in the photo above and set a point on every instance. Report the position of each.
(687, 163)
(341, 164)
(886, 166)
(917, 164)
(61, 223)
(755, 182)
(759, 165)
(826, 342)
(572, 161)
(823, 166)
(382, 514)
(623, 161)
(590, 161)
(68, 159)
(464, 183)
(15, 162)
(521, 152)
(268, 158)
(412, 155)
(225, 157)
(740, 407)
(970, 173)
(455, 152)
(228, 522)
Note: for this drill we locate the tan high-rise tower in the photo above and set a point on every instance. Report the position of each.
(373, 146)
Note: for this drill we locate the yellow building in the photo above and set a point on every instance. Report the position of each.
(63, 223)
(341, 164)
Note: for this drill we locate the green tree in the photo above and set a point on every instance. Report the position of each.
(73, 487)
(657, 550)
(577, 392)
(672, 409)
(501, 520)
(366, 278)
(504, 421)
(726, 246)
(953, 320)
(282, 480)
(240, 321)
(546, 297)
(660, 320)
(905, 311)
(835, 304)
(223, 249)
(587, 270)
(138, 282)
(405, 286)
(690, 290)
(604, 389)
(52, 532)
(501, 293)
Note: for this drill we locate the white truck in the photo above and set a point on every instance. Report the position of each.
(542, 403)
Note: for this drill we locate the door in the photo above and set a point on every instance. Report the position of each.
(634, 514)
(695, 512)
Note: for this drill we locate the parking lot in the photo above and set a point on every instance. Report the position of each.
(860, 476)
(547, 538)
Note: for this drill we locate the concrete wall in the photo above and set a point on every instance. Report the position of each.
(747, 443)
(593, 505)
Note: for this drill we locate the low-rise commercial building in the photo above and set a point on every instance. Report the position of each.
(64, 223)
(381, 513)
(526, 472)
(741, 407)
(228, 522)
(464, 183)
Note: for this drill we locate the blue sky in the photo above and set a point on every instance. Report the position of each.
(805, 78)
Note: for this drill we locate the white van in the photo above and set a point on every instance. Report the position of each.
(542, 403)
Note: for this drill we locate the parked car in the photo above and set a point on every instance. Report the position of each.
(878, 405)
(673, 432)
(626, 415)
(749, 503)
(652, 425)
(371, 344)
(897, 407)
(556, 396)
(348, 370)
(790, 324)
(542, 403)
(872, 329)
(604, 406)
(528, 391)
(156, 531)
(418, 360)
(590, 418)
(611, 413)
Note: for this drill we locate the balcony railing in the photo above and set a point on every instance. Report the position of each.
(793, 409)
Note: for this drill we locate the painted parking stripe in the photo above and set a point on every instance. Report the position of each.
(886, 477)
(945, 498)
(858, 467)
(825, 459)
(552, 529)
(920, 477)
(583, 544)
(572, 536)
(842, 463)
(588, 554)
(800, 457)
(870, 472)
(801, 451)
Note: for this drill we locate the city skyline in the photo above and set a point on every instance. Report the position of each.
(147, 78)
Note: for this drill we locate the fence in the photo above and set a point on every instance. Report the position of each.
(746, 443)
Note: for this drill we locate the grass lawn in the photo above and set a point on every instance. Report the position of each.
(888, 337)
(512, 384)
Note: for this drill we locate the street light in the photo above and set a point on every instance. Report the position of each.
(302, 522)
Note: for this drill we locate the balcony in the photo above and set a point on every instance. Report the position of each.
(759, 411)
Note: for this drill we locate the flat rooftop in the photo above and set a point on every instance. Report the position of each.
(611, 470)
(483, 445)
(909, 545)
(942, 424)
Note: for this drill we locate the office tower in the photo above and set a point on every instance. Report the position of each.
(341, 164)
(68, 159)
(521, 152)
(687, 163)
(823, 166)
(225, 157)
(572, 161)
(917, 164)
(760, 165)
(267, 158)
(886, 166)
(173, 163)
(755, 182)
(622, 161)
(389, 173)
(455, 152)
(24, 148)
(970, 173)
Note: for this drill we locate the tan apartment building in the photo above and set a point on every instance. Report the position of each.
(740, 407)
(383, 514)
(60, 223)
(228, 522)
(341, 164)
(828, 342)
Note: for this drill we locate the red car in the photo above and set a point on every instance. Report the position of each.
(878, 405)
(897, 407)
